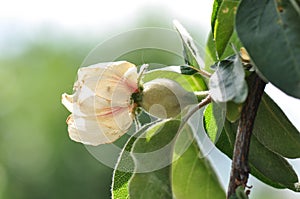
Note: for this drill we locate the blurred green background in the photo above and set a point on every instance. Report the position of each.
(37, 158)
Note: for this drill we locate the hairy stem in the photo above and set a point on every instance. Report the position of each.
(203, 103)
(202, 72)
(240, 168)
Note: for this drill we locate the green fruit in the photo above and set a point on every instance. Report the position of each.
(165, 98)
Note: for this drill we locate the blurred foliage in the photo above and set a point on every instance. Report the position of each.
(37, 158)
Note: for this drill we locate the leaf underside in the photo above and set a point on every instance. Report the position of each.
(228, 81)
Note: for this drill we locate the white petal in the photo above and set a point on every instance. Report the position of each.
(74, 102)
(67, 101)
(101, 106)
(131, 77)
(120, 68)
(120, 118)
(126, 87)
(104, 83)
(92, 105)
(89, 131)
(92, 70)
(96, 70)
(124, 118)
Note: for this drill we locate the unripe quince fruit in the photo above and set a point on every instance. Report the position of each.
(165, 98)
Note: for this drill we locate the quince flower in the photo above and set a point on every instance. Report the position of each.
(102, 107)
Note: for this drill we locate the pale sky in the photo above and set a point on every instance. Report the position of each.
(92, 13)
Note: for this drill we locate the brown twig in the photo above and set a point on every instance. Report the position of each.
(203, 103)
(240, 168)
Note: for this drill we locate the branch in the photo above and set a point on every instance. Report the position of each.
(240, 168)
(202, 72)
(203, 103)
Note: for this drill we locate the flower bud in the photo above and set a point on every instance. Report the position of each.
(165, 98)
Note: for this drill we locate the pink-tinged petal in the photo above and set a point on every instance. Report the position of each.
(93, 105)
(107, 85)
(119, 91)
(105, 82)
(116, 118)
(113, 71)
(101, 106)
(120, 68)
(95, 70)
(89, 132)
(130, 78)
(124, 118)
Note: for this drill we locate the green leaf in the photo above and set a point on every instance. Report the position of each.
(214, 15)
(213, 121)
(187, 70)
(274, 130)
(190, 83)
(228, 81)
(229, 51)
(192, 175)
(265, 165)
(271, 167)
(151, 185)
(190, 50)
(262, 154)
(211, 50)
(270, 31)
(224, 24)
(152, 154)
(239, 193)
(213, 126)
(233, 111)
(125, 167)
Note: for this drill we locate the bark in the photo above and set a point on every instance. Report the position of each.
(240, 168)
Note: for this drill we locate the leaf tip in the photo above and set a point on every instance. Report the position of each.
(179, 27)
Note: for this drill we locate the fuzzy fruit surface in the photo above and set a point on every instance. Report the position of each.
(165, 98)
